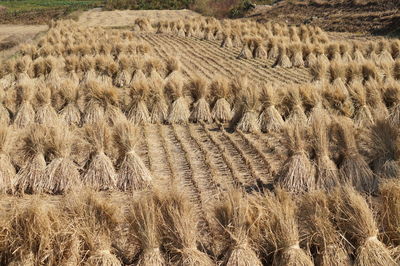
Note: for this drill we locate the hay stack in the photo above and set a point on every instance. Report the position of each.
(180, 233)
(234, 216)
(248, 110)
(337, 101)
(356, 221)
(296, 55)
(259, 50)
(138, 64)
(4, 113)
(294, 102)
(353, 168)
(282, 59)
(7, 170)
(61, 175)
(337, 73)
(173, 66)
(132, 172)
(245, 53)
(375, 100)
(396, 69)
(318, 71)
(123, 76)
(201, 110)
(158, 103)
(273, 50)
(220, 91)
(320, 232)
(30, 149)
(392, 100)
(139, 94)
(227, 40)
(297, 174)
(25, 114)
(45, 113)
(179, 110)
(87, 64)
(100, 173)
(389, 211)
(363, 115)
(70, 113)
(270, 119)
(281, 229)
(144, 219)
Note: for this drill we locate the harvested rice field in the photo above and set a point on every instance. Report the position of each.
(186, 140)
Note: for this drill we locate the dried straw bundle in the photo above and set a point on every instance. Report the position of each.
(179, 111)
(297, 174)
(173, 65)
(180, 234)
(144, 219)
(227, 40)
(282, 59)
(7, 170)
(392, 100)
(353, 168)
(31, 149)
(297, 55)
(270, 119)
(94, 218)
(356, 221)
(296, 112)
(123, 76)
(221, 110)
(273, 50)
(106, 68)
(245, 53)
(390, 210)
(200, 91)
(318, 71)
(132, 172)
(320, 232)
(139, 94)
(281, 229)
(61, 175)
(327, 173)
(312, 100)
(158, 104)
(100, 173)
(45, 113)
(396, 69)
(259, 50)
(87, 64)
(363, 115)
(25, 114)
(4, 113)
(234, 216)
(375, 99)
(337, 101)
(249, 104)
(70, 112)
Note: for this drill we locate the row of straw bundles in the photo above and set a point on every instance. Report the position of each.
(161, 228)
(54, 160)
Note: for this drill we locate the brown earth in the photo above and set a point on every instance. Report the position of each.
(382, 17)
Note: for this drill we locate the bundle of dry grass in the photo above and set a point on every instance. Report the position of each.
(139, 94)
(106, 69)
(138, 64)
(94, 218)
(292, 100)
(337, 101)
(280, 229)
(297, 173)
(320, 232)
(87, 64)
(396, 70)
(100, 173)
(389, 211)
(180, 234)
(375, 100)
(132, 172)
(4, 113)
(158, 104)
(246, 53)
(123, 76)
(282, 60)
(353, 167)
(273, 50)
(227, 39)
(45, 113)
(259, 50)
(143, 24)
(392, 100)
(179, 110)
(173, 65)
(70, 112)
(25, 114)
(337, 73)
(270, 119)
(370, 71)
(200, 91)
(248, 109)
(30, 151)
(363, 115)
(61, 174)
(7, 170)
(318, 70)
(296, 55)
(383, 149)
(234, 216)
(220, 91)
(144, 219)
(356, 221)
(327, 173)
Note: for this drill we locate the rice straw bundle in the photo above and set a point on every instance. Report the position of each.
(144, 219)
(180, 234)
(179, 111)
(320, 232)
(245, 53)
(297, 174)
(375, 100)
(234, 216)
(282, 59)
(327, 173)
(45, 113)
(139, 94)
(297, 56)
(356, 221)
(333, 52)
(345, 52)
(270, 119)
(353, 168)
(358, 56)
(94, 218)
(70, 112)
(293, 101)
(273, 50)
(144, 24)
(259, 50)
(248, 110)
(158, 104)
(61, 175)
(337, 73)
(220, 91)
(385, 57)
(337, 101)
(53, 77)
(200, 91)
(369, 71)
(173, 65)
(100, 173)
(132, 173)
(281, 229)
(396, 69)
(31, 150)
(318, 71)
(106, 68)
(389, 194)
(363, 116)
(25, 114)
(123, 76)
(87, 64)
(384, 149)
(392, 99)
(312, 97)
(7, 170)
(227, 40)
(4, 113)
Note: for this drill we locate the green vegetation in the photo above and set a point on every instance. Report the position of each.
(13, 6)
